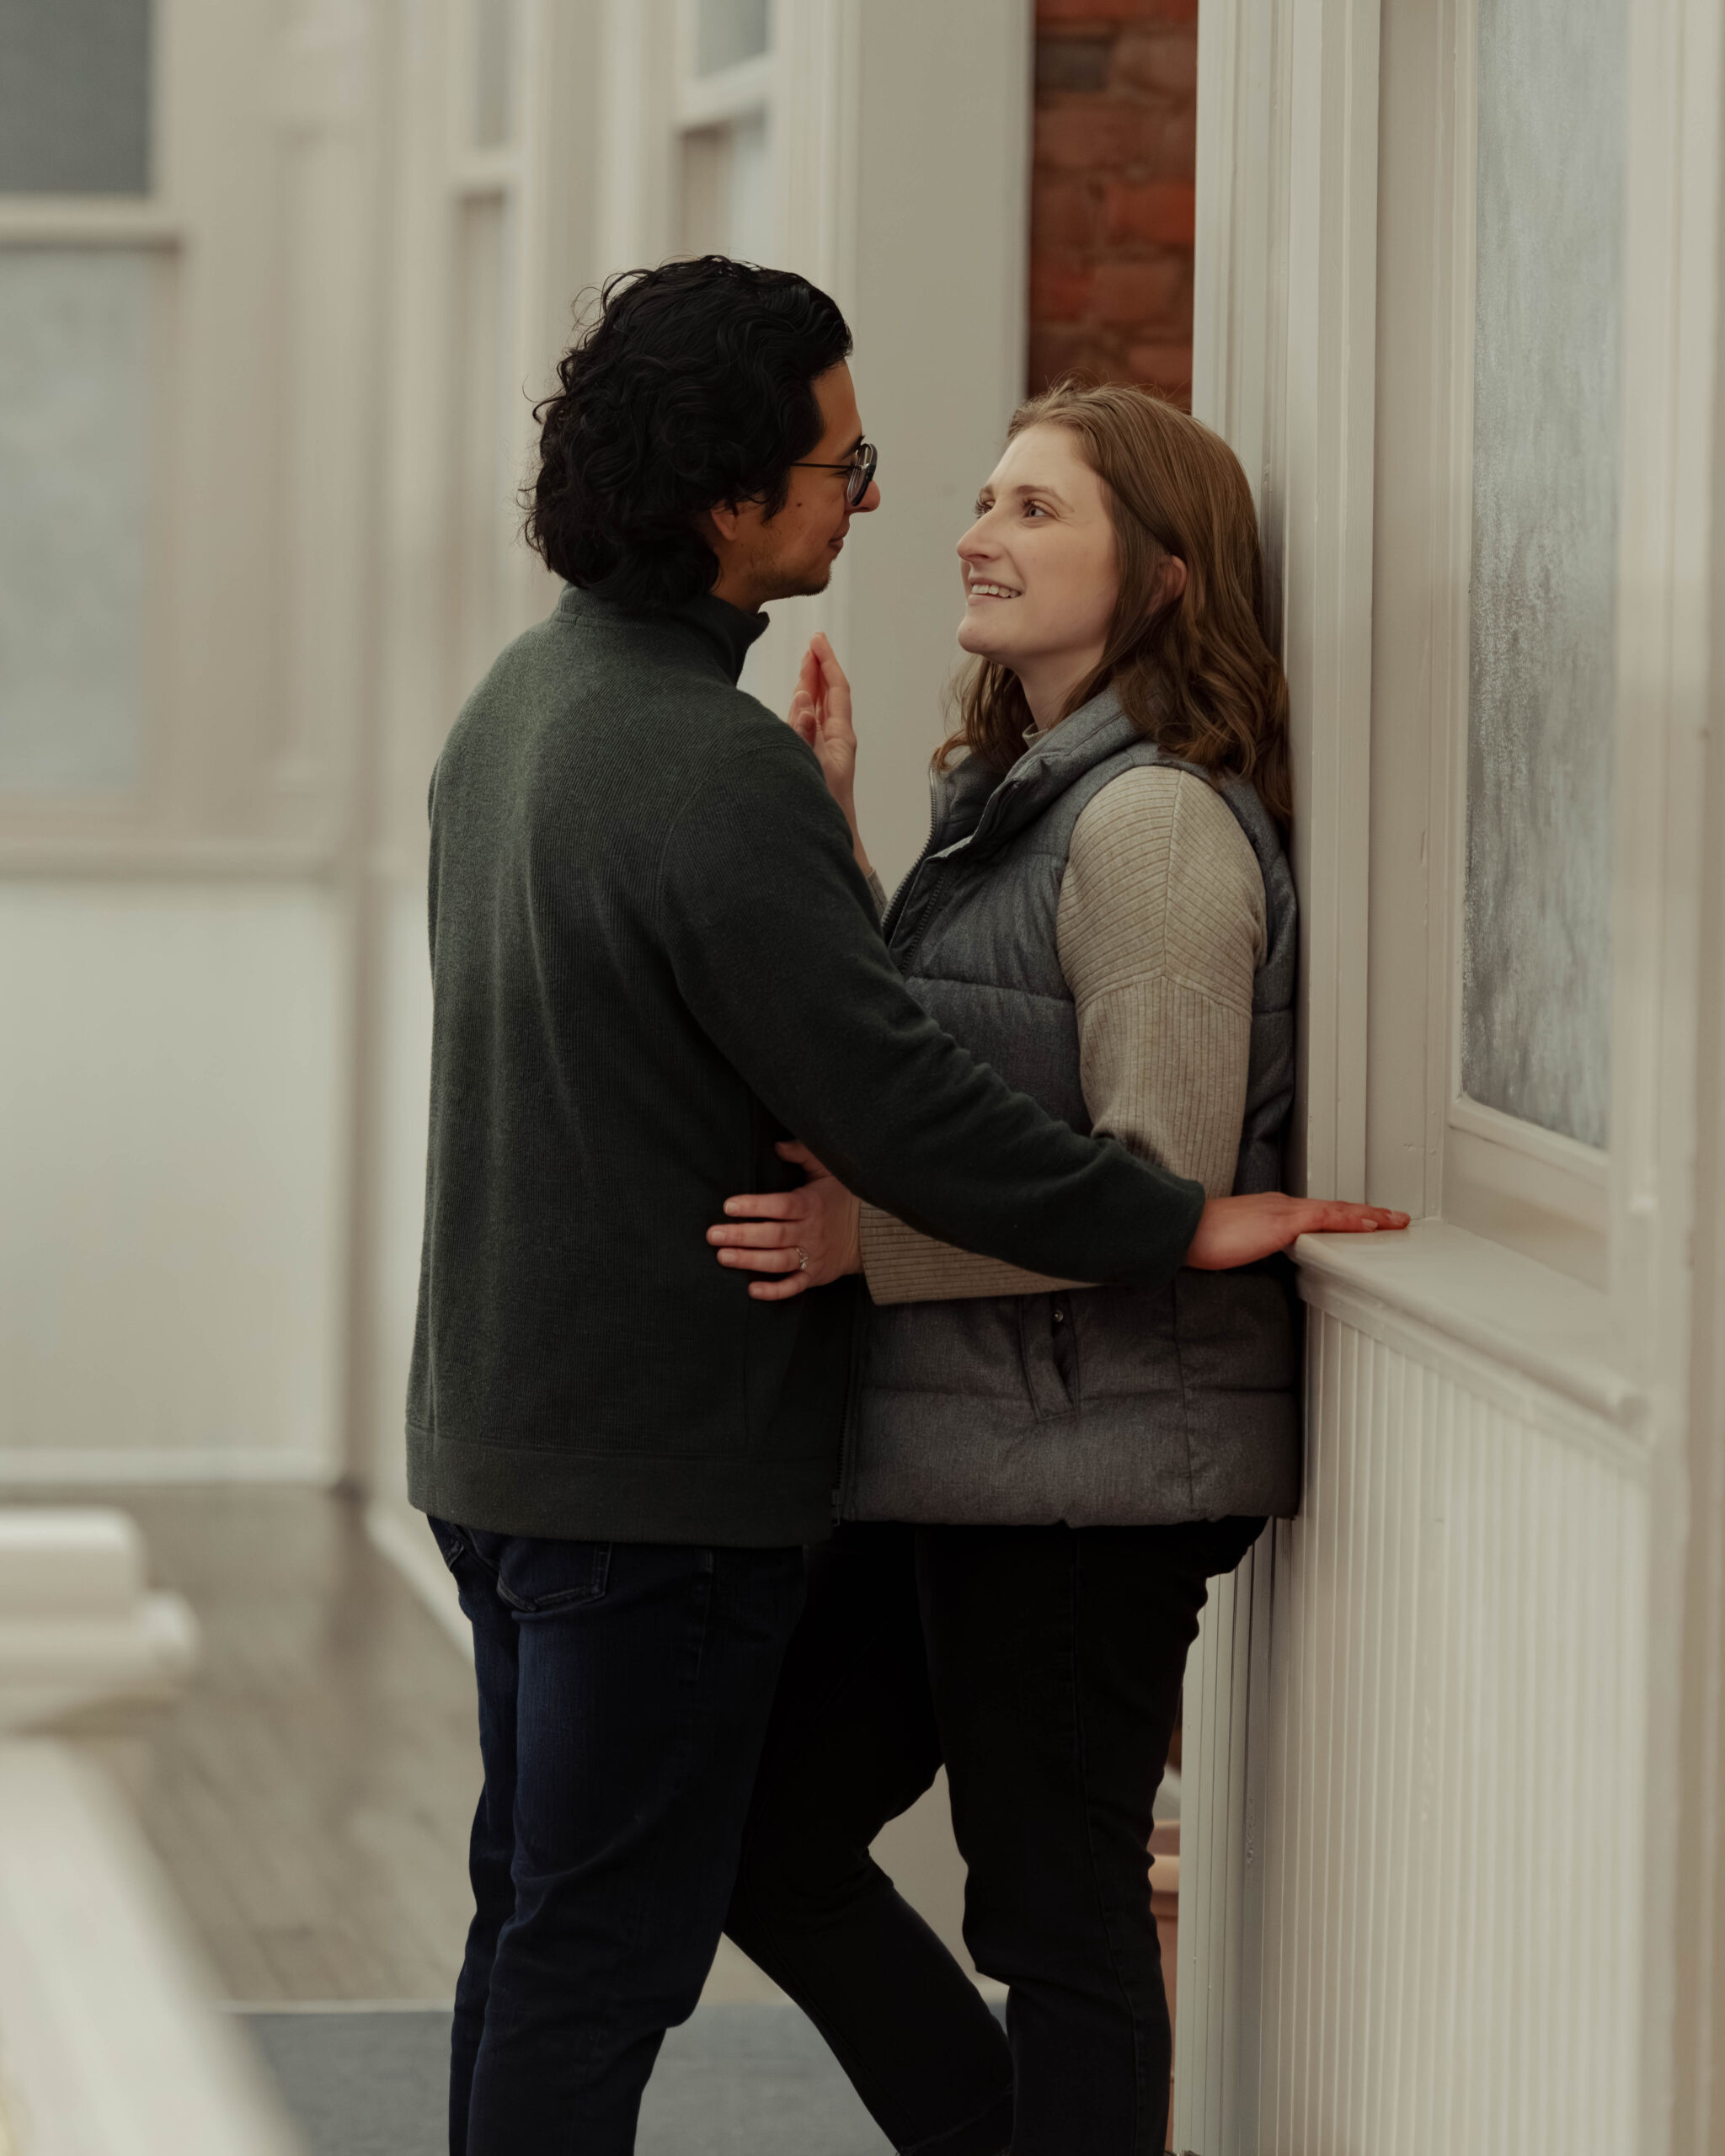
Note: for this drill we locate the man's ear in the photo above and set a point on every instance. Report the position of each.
(722, 521)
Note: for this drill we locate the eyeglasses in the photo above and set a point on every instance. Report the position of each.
(861, 466)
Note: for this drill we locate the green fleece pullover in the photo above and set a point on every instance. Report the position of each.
(652, 956)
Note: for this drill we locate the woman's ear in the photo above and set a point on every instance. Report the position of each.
(1170, 581)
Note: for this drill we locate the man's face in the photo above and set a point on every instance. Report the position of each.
(791, 553)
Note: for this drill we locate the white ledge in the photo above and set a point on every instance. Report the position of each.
(1537, 1323)
(79, 1630)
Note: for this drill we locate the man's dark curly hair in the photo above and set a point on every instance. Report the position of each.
(692, 385)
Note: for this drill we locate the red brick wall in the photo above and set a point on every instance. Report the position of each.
(1111, 217)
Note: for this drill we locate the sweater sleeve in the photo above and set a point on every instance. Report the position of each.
(1161, 930)
(772, 936)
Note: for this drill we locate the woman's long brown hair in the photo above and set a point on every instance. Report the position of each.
(1197, 675)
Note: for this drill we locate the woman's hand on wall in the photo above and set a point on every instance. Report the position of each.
(809, 1236)
(820, 715)
(1240, 1231)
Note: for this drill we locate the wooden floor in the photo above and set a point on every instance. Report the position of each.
(311, 1795)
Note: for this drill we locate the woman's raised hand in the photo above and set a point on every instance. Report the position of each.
(820, 715)
(809, 1236)
(1240, 1231)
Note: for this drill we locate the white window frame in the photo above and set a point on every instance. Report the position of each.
(265, 449)
(1534, 1190)
(1287, 194)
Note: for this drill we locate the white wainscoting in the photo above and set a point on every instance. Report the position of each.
(173, 1124)
(1412, 1851)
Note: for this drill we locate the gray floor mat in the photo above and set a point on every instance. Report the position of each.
(737, 2080)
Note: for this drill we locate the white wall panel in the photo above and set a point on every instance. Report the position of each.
(1416, 1826)
(171, 1133)
(76, 362)
(403, 1078)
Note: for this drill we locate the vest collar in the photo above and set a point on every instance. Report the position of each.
(978, 812)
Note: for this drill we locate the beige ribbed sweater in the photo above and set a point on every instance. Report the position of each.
(1160, 930)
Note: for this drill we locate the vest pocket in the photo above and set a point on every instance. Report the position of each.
(1048, 1347)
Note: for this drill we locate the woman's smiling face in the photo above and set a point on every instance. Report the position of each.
(1040, 578)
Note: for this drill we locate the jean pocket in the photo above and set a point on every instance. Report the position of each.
(452, 1545)
(536, 1575)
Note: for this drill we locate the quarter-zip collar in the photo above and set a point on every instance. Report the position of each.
(725, 631)
(725, 626)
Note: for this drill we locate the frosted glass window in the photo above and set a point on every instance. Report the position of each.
(493, 73)
(727, 192)
(74, 96)
(729, 31)
(75, 398)
(1537, 958)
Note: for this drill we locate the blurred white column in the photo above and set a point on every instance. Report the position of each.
(109, 2045)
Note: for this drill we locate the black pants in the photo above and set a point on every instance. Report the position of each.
(1043, 1665)
(624, 1691)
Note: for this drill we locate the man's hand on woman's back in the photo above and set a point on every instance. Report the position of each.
(1240, 1231)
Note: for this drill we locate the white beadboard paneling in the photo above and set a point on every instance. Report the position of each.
(1431, 1759)
(171, 1135)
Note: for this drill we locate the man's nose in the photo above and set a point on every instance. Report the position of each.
(871, 500)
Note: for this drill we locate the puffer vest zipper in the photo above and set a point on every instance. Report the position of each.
(1096, 1405)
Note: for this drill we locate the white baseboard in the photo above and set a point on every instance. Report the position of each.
(414, 1556)
(33, 1467)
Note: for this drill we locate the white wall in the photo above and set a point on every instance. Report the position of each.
(402, 1078)
(937, 300)
(171, 1079)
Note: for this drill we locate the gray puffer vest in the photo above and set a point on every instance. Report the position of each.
(1099, 1405)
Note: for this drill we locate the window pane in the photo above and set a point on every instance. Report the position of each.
(726, 205)
(74, 432)
(1537, 960)
(727, 31)
(74, 96)
(493, 73)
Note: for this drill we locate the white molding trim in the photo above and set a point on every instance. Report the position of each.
(270, 2009)
(485, 172)
(1534, 1327)
(1667, 987)
(1549, 1147)
(46, 1467)
(733, 93)
(1578, 1414)
(414, 1556)
(1532, 1190)
(92, 857)
(637, 45)
(1284, 368)
(85, 221)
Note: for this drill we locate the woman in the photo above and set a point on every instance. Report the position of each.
(1041, 1475)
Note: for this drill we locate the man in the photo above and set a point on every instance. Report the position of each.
(654, 956)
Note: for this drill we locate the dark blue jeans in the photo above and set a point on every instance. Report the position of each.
(1043, 1665)
(624, 1692)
